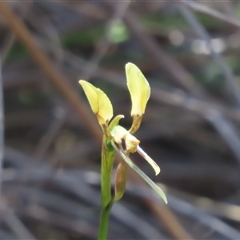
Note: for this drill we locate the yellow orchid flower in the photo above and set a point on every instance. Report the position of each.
(122, 140)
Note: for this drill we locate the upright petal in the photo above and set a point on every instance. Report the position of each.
(105, 109)
(99, 102)
(139, 89)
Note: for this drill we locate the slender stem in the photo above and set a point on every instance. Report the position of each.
(106, 197)
(104, 219)
(106, 171)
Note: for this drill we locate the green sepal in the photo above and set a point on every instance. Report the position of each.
(114, 122)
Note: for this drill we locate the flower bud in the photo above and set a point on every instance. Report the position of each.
(120, 180)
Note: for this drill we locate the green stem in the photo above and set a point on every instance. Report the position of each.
(106, 197)
(106, 171)
(104, 219)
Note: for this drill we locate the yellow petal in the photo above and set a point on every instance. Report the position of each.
(138, 87)
(91, 95)
(105, 109)
(99, 102)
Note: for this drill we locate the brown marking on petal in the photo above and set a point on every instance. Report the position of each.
(124, 144)
(137, 119)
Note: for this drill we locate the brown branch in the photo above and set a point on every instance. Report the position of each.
(19, 29)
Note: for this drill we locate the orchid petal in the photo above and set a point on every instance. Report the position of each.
(138, 87)
(153, 164)
(99, 102)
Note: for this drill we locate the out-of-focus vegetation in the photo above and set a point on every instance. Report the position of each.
(188, 51)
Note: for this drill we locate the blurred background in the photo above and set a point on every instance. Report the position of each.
(50, 141)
